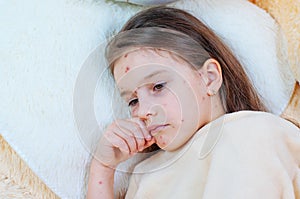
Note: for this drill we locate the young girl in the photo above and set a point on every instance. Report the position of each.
(190, 96)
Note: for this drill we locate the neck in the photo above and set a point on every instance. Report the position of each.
(217, 109)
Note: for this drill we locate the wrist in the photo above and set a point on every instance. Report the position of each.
(98, 166)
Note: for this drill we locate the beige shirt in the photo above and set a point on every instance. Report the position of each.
(242, 155)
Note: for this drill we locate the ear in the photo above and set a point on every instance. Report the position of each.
(211, 73)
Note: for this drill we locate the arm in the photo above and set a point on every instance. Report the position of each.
(101, 181)
(121, 140)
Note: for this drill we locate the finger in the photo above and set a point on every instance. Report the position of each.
(134, 129)
(145, 132)
(117, 141)
(139, 135)
(129, 138)
(131, 126)
(149, 143)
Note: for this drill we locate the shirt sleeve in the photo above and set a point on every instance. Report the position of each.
(256, 157)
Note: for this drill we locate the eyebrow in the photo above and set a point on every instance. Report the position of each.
(145, 78)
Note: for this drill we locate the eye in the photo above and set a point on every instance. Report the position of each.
(159, 86)
(133, 102)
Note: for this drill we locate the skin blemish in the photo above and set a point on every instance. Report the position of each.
(182, 120)
(127, 69)
(164, 143)
(125, 55)
(203, 98)
(100, 182)
(160, 137)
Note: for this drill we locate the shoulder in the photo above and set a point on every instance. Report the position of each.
(251, 132)
(257, 123)
(256, 152)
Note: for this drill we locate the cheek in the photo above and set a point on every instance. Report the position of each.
(191, 107)
(172, 106)
(162, 140)
(133, 111)
(165, 140)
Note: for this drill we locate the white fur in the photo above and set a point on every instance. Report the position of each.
(45, 45)
(147, 2)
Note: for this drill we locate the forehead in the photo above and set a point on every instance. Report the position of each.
(141, 67)
(143, 61)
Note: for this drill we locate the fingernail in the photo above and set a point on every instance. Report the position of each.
(148, 138)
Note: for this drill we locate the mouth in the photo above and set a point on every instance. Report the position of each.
(155, 129)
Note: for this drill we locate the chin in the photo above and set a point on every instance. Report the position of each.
(168, 146)
(167, 140)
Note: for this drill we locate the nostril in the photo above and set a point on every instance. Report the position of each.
(147, 120)
(148, 114)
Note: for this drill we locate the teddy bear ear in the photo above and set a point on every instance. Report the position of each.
(147, 2)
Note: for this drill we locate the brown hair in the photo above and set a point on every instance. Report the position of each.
(195, 43)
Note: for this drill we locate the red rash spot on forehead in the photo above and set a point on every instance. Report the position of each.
(125, 55)
(100, 182)
(127, 69)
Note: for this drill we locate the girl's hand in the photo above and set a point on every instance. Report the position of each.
(121, 140)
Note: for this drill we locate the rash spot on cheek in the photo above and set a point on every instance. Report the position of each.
(161, 138)
(127, 69)
(100, 182)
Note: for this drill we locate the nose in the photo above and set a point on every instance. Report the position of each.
(145, 110)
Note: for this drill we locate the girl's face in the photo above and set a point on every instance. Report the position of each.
(166, 93)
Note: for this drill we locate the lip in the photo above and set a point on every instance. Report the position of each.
(154, 129)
